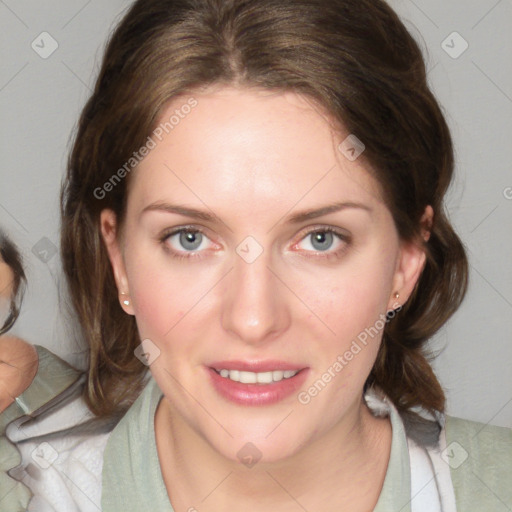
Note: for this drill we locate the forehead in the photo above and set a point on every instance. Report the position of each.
(240, 146)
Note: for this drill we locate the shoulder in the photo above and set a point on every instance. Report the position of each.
(485, 444)
(55, 441)
(480, 459)
(54, 378)
(61, 454)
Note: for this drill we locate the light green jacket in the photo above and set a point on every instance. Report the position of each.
(480, 455)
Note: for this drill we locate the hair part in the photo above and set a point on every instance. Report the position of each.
(357, 61)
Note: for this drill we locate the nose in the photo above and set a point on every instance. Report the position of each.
(254, 306)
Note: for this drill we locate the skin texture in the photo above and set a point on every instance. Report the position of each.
(255, 158)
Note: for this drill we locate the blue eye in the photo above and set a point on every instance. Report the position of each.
(190, 240)
(325, 240)
(321, 240)
(184, 240)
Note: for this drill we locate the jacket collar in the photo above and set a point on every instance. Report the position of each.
(132, 477)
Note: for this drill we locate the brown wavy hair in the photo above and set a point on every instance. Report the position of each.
(356, 60)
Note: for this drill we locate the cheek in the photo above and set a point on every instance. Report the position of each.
(354, 311)
(352, 302)
(358, 298)
(162, 292)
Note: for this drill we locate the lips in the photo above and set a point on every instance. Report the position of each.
(252, 393)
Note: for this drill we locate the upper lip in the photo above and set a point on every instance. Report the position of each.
(255, 366)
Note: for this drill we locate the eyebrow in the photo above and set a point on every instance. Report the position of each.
(296, 218)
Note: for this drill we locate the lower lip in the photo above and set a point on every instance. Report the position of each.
(257, 394)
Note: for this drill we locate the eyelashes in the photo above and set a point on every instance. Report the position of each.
(176, 242)
(322, 235)
(183, 233)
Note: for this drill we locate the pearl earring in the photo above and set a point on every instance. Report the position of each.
(397, 295)
(126, 302)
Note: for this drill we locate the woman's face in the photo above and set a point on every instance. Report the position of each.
(252, 243)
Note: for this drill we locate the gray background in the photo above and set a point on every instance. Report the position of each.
(40, 100)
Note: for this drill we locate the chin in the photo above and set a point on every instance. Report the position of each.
(252, 447)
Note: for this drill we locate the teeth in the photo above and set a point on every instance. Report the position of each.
(259, 378)
(264, 377)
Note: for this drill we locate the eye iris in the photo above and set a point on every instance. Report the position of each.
(322, 240)
(190, 240)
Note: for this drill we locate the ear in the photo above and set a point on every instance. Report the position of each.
(410, 262)
(109, 232)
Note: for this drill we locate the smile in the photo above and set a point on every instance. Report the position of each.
(246, 377)
(243, 386)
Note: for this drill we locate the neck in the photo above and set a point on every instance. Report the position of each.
(346, 467)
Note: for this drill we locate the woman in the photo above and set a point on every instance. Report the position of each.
(253, 209)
